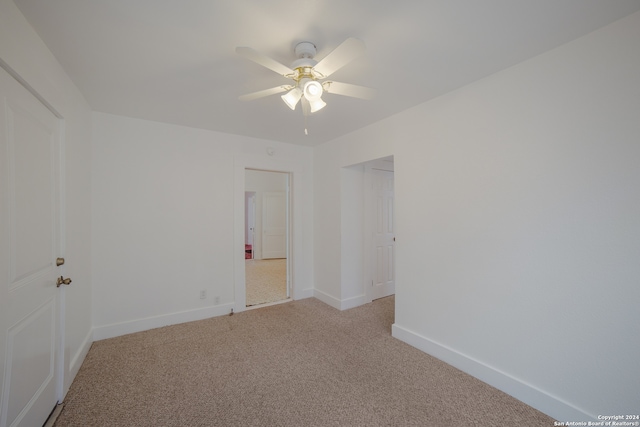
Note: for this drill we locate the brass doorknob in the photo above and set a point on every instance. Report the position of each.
(62, 281)
(59, 262)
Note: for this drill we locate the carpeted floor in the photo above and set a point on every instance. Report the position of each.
(266, 281)
(301, 363)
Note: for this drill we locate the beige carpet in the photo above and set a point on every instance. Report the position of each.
(266, 281)
(301, 363)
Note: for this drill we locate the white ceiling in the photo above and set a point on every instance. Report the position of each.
(174, 61)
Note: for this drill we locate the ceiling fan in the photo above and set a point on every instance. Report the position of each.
(309, 76)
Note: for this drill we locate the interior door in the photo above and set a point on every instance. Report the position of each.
(384, 235)
(29, 245)
(274, 225)
(250, 217)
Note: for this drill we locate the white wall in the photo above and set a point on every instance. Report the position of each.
(24, 53)
(518, 224)
(352, 236)
(257, 180)
(169, 221)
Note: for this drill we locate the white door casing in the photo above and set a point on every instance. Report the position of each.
(383, 261)
(274, 225)
(30, 242)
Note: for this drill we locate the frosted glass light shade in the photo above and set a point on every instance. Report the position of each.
(317, 104)
(292, 97)
(312, 90)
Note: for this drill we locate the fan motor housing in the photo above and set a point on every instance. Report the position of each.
(305, 50)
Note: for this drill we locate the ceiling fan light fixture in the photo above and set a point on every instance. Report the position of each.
(317, 104)
(292, 97)
(307, 73)
(312, 90)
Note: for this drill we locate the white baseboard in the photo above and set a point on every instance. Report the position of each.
(339, 304)
(76, 361)
(327, 299)
(78, 358)
(532, 396)
(139, 325)
(352, 302)
(302, 293)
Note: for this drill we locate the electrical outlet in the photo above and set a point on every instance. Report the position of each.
(203, 294)
(216, 300)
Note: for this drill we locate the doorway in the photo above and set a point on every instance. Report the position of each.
(378, 231)
(367, 232)
(267, 237)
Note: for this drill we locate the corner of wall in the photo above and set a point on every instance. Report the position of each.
(339, 304)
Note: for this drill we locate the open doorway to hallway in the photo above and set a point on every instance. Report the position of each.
(267, 237)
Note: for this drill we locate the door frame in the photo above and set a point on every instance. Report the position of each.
(295, 212)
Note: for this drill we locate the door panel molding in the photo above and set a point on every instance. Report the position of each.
(29, 336)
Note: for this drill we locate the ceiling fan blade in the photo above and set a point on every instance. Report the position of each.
(264, 60)
(340, 56)
(263, 93)
(347, 89)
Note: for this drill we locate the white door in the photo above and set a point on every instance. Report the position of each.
(250, 216)
(384, 235)
(274, 225)
(29, 244)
